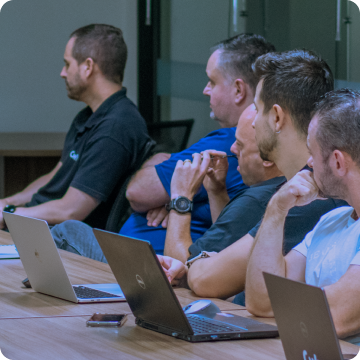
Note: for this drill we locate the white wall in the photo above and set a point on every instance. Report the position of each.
(354, 43)
(33, 35)
(194, 27)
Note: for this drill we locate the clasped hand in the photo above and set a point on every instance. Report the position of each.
(210, 167)
(299, 191)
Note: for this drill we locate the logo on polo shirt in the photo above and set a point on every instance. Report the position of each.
(74, 155)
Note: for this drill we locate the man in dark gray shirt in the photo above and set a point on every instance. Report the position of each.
(231, 220)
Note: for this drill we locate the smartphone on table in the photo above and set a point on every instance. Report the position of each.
(115, 320)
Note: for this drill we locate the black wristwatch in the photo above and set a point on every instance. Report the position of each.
(9, 208)
(181, 204)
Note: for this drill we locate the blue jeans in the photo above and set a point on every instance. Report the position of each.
(78, 238)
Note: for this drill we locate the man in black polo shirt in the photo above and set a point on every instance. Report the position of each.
(104, 140)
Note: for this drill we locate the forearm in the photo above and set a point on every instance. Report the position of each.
(145, 191)
(217, 203)
(178, 237)
(74, 205)
(52, 211)
(223, 274)
(266, 256)
(343, 301)
(25, 195)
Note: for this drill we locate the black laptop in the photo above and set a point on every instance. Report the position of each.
(153, 301)
(304, 320)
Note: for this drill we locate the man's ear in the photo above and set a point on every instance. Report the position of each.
(240, 90)
(339, 162)
(278, 118)
(88, 67)
(268, 163)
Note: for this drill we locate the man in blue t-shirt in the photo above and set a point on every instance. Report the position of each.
(231, 89)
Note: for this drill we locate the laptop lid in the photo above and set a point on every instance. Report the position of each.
(142, 280)
(304, 321)
(39, 256)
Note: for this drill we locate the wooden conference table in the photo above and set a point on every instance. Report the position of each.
(37, 326)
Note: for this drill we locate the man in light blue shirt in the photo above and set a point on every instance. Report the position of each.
(329, 256)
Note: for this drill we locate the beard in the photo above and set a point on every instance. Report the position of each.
(76, 89)
(267, 146)
(329, 186)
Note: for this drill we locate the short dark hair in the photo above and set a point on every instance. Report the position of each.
(105, 45)
(238, 54)
(338, 114)
(295, 80)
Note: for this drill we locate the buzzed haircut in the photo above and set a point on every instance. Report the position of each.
(338, 128)
(295, 80)
(105, 45)
(238, 53)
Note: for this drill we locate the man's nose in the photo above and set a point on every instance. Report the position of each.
(63, 72)
(206, 90)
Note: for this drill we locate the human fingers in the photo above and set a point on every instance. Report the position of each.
(152, 215)
(149, 215)
(159, 216)
(216, 153)
(205, 161)
(175, 269)
(196, 160)
(165, 221)
(179, 164)
(187, 162)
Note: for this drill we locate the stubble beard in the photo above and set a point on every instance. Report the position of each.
(329, 186)
(76, 90)
(266, 147)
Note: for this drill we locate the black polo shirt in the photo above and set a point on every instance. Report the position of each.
(100, 150)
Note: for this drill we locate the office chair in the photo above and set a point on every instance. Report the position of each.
(171, 136)
(121, 210)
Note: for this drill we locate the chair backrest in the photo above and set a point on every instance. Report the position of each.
(171, 136)
(120, 209)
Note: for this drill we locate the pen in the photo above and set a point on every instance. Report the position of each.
(224, 156)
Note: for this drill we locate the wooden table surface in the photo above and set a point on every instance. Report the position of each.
(38, 326)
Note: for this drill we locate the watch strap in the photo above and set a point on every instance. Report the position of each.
(202, 255)
(9, 208)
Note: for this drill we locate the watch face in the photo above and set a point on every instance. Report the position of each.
(182, 204)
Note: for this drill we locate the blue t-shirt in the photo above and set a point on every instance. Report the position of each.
(221, 140)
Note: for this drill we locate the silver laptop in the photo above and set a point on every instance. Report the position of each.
(154, 303)
(304, 320)
(44, 267)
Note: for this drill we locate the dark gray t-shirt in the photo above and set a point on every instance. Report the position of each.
(238, 217)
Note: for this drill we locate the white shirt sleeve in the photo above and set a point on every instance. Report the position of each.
(302, 247)
(356, 259)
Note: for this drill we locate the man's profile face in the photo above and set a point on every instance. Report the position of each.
(75, 85)
(265, 137)
(250, 163)
(220, 92)
(329, 186)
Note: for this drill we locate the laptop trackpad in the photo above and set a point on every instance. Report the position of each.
(110, 288)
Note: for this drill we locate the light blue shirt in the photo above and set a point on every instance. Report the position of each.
(331, 248)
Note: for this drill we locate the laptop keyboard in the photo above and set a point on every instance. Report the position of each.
(205, 325)
(83, 292)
